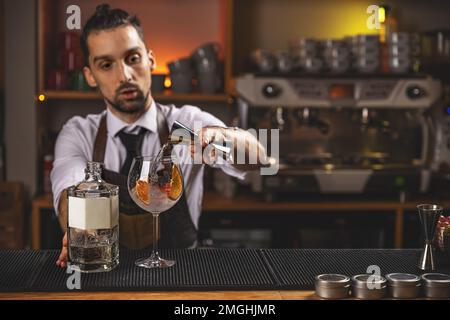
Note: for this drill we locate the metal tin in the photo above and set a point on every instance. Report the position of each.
(332, 286)
(366, 64)
(312, 65)
(403, 285)
(399, 63)
(368, 286)
(362, 51)
(399, 50)
(365, 40)
(436, 285)
(398, 37)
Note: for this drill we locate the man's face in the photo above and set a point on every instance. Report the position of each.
(120, 65)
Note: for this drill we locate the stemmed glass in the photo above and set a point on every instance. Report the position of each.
(155, 184)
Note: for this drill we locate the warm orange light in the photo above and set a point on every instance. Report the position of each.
(341, 91)
(41, 97)
(382, 33)
(381, 14)
(167, 82)
(161, 68)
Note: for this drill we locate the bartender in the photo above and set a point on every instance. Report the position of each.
(119, 65)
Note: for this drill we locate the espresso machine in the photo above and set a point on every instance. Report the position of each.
(441, 157)
(343, 135)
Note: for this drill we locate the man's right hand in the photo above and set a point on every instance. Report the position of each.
(62, 217)
(62, 260)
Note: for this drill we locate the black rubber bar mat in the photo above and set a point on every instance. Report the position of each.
(202, 269)
(206, 269)
(18, 269)
(297, 268)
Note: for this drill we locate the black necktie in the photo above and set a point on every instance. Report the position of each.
(133, 144)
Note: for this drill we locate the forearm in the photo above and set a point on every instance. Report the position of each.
(62, 209)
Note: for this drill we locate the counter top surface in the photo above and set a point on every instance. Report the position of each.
(218, 274)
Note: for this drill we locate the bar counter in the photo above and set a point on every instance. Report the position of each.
(224, 274)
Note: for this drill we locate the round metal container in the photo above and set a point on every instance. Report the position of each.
(399, 63)
(362, 51)
(403, 285)
(398, 37)
(364, 39)
(399, 50)
(368, 286)
(366, 64)
(312, 65)
(338, 65)
(436, 285)
(332, 286)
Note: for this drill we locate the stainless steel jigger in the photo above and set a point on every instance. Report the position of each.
(429, 215)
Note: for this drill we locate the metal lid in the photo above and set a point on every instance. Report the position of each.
(403, 279)
(436, 280)
(332, 280)
(369, 281)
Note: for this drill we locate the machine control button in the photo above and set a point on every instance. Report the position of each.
(415, 92)
(271, 90)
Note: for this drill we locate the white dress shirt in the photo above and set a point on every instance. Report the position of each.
(75, 146)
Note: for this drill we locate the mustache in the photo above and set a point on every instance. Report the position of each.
(127, 86)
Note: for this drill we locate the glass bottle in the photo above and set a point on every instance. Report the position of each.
(93, 223)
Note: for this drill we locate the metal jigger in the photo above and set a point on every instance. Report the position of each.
(429, 215)
(185, 134)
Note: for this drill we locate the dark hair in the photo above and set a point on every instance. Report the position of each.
(106, 18)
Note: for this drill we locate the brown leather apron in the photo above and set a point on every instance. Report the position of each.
(136, 225)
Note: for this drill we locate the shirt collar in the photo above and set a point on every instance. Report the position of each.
(147, 121)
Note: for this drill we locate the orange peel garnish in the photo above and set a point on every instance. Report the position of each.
(142, 191)
(176, 184)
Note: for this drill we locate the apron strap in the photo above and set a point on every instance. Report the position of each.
(100, 141)
(163, 127)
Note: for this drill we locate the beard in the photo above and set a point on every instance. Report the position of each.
(129, 106)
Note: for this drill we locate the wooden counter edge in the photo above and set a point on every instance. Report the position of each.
(173, 295)
(155, 295)
(213, 202)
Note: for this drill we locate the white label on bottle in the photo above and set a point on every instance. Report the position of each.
(93, 213)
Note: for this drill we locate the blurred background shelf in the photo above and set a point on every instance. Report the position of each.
(245, 214)
(163, 96)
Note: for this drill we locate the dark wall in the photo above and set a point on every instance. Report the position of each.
(2, 90)
(20, 89)
(2, 48)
